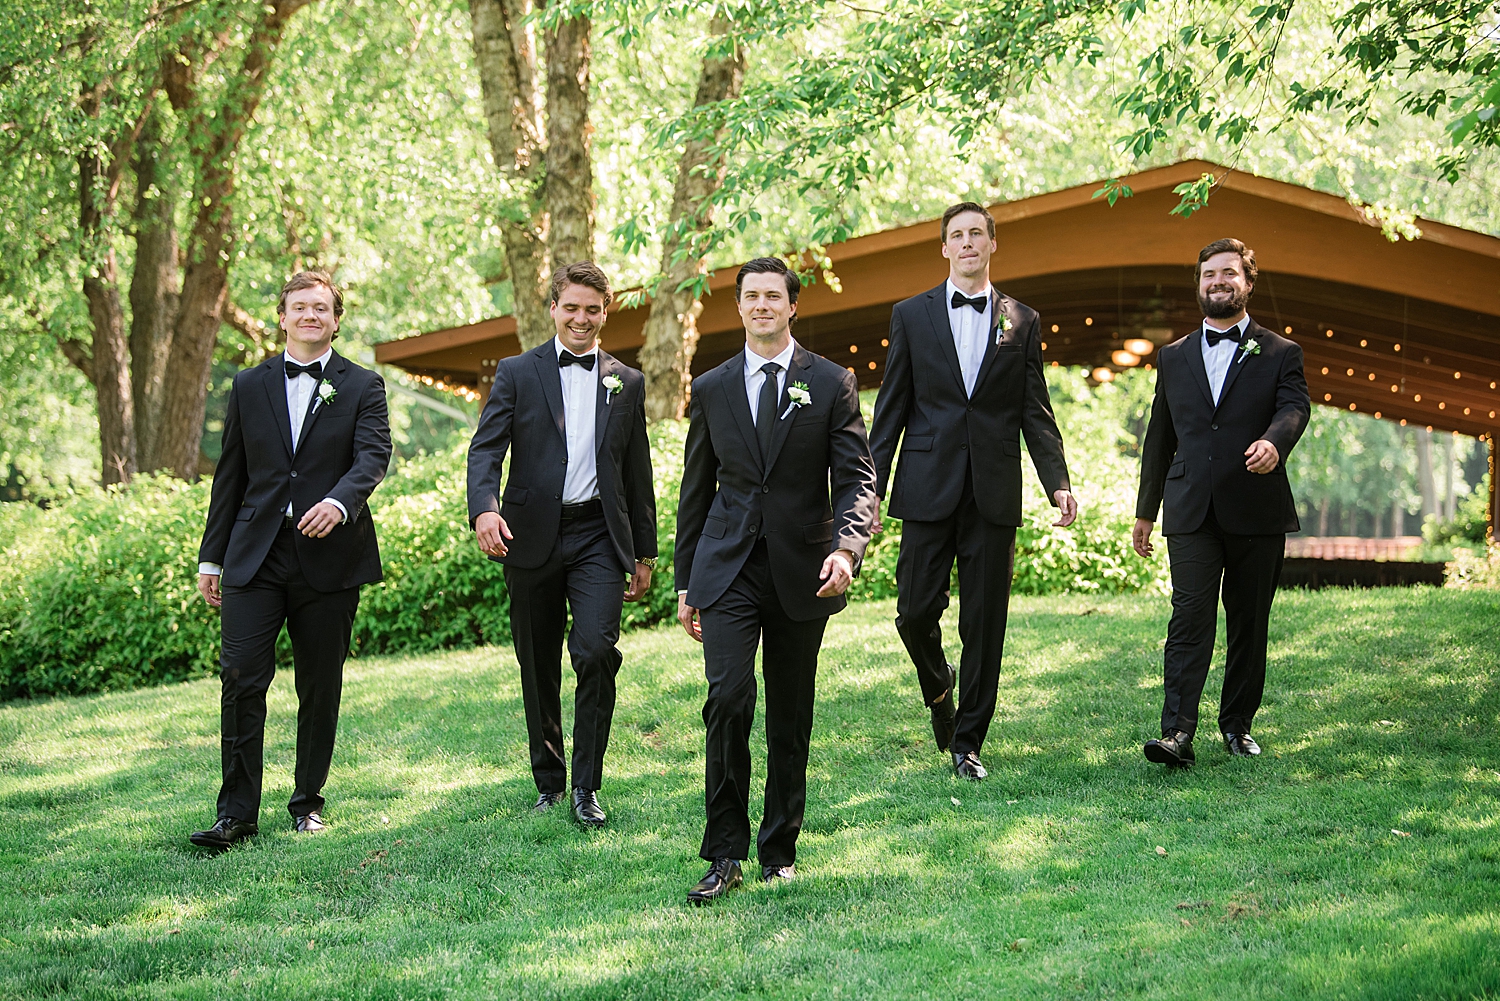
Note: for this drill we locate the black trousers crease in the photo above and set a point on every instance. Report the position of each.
(581, 575)
(320, 624)
(749, 615)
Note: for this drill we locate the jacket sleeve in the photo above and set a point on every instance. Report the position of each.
(490, 442)
(1293, 406)
(851, 473)
(1157, 452)
(640, 495)
(893, 405)
(231, 478)
(700, 481)
(1038, 423)
(372, 450)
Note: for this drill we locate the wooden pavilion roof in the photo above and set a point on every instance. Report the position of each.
(1406, 330)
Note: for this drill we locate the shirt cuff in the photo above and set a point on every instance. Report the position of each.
(343, 511)
(682, 592)
(212, 569)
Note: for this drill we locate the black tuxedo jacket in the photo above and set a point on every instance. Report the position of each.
(946, 433)
(1194, 451)
(525, 415)
(815, 495)
(344, 452)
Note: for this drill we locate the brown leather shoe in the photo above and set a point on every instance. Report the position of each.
(226, 832)
(1174, 749)
(311, 823)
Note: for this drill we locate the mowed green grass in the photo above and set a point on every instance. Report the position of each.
(1282, 877)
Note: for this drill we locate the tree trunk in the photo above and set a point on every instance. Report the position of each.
(1424, 473)
(200, 311)
(1450, 507)
(153, 287)
(505, 56)
(1398, 519)
(1323, 517)
(570, 174)
(671, 330)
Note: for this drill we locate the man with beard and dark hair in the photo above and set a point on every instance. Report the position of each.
(1231, 402)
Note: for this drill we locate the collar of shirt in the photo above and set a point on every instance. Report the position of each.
(754, 362)
(560, 348)
(989, 300)
(1242, 325)
(321, 360)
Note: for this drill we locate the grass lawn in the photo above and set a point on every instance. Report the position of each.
(1282, 877)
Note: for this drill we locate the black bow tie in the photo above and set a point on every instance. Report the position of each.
(567, 358)
(1215, 336)
(314, 369)
(979, 302)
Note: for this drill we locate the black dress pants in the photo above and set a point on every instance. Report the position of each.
(319, 623)
(582, 574)
(1249, 567)
(986, 555)
(747, 614)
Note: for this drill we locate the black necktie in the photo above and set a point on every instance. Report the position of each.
(979, 302)
(567, 358)
(765, 414)
(315, 369)
(1215, 336)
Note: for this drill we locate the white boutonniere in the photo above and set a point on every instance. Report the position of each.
(326, 394)
(800, 397)
(1250, 347)
(612, 385)
(1002, 327)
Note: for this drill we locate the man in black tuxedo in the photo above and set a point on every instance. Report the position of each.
(1231, 401)
(963, 382)
(575, 527)
(777, 495)
(290, 540)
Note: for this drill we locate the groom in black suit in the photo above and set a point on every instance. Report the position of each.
(575, 526)
(1231, 402)
(778, 491)
(289, 540)
(963, 383)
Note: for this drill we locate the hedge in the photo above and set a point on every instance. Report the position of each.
(100, 593)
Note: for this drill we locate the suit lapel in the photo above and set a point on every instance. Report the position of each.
(1194, 351)
(801, 362)
(544, 358)
(999, 309)
(273, 378)
(942, 330)
(602, 404)
(1241, 359)
(732, 382)
(334, 376)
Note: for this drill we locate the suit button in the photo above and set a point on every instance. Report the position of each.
(1214, 426)
(294, 474)
(964, 445)
(754, 529)
(765, 490)
(971, 410)
(557, 496)
(565, 460)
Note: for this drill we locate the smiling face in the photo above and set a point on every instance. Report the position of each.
(767, 311)
(967, 245)
(309, 322)
(1223, 287)
(579, 314)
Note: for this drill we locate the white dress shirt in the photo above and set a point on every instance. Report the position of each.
(580, 389)
(1218, 358)
(755, 379)
(970, 329)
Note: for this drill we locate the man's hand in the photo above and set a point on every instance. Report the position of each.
(877, 524)
(208, 586)
(1261, 457)
(640, 582)
(1140, 537)
(319, 520)
(838, 571)
(492, 531)
(688, 616)
(1067, 508)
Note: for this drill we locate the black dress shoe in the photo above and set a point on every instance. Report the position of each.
(312, 823)
(547, 801)
(771, 873)
(587, 809)
(1174, 749)
(1241, 745)
(724, 875)
(968, 766)
(943, 713)
(226, 832)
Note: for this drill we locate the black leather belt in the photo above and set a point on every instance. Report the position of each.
(588, 509)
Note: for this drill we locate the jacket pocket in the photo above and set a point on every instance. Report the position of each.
(715, 528)
(917, 443)
(1177, 469)
(245, 514)
(1011, 448)
(516, 495)
(821, 532)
